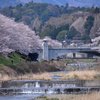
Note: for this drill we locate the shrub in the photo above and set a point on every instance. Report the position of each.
(75, 76)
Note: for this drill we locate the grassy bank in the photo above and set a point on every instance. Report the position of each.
(40, 70)
(26, 70)
(21, 69)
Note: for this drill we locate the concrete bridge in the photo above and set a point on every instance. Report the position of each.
(48, 53)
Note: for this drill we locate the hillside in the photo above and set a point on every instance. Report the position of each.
(68, 18)
(96, 27)
(53, 20)
(30, 11)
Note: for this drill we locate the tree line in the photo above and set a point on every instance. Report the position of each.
(32, 10)
(28, 12)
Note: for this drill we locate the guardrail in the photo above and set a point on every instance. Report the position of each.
(72, 47)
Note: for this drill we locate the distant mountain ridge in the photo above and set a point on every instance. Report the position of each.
(84, 3)
(6, 3)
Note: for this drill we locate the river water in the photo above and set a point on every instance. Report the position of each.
(83, 64)
(29, 89)
(26, 96)
(19, 92)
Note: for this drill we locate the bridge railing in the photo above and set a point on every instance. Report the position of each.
(71, 47)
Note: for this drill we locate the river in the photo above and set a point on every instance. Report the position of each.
(29, 89)
(19, 97)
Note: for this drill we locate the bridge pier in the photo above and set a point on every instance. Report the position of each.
(45, 50)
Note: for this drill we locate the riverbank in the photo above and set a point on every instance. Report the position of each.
(30, 76)
(82, 75)
(43, 70)
(88, 96)
(49, 71)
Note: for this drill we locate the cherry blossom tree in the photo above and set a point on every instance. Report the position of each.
(53, 43)
(19, 37)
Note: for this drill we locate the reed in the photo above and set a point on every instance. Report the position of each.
(31, 76)
(92, 96)
(84, 75)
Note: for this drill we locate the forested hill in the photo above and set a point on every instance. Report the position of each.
(43, 11)
(56, 21)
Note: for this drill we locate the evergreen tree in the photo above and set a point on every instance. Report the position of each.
(72, 32)
(86, 39)
(92, 9)
(49, 30)
(97, 10)
(61, 35)
(88, 24)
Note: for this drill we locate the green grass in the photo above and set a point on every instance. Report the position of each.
(23, 67)
(75, 76)
(90, 66)
(7, 61)
(45, 98)
(4, 61)
(87, 60)
(66, 60)
(97, 77)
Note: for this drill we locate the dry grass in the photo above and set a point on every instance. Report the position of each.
(84, 75)
(39, 76)
(93, 96)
